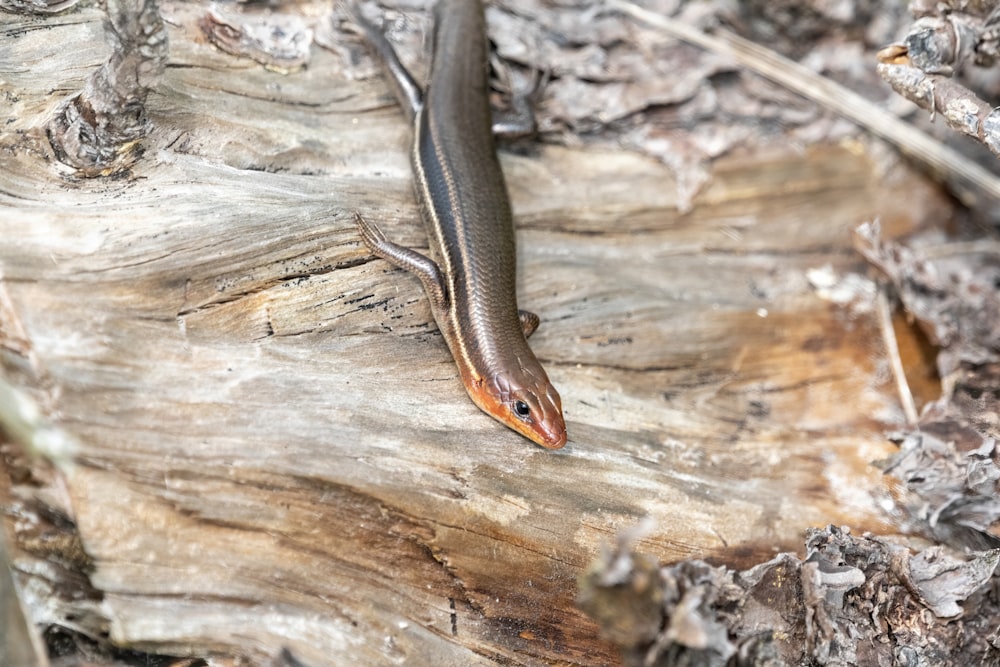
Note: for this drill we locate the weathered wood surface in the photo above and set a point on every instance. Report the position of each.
(275, 449)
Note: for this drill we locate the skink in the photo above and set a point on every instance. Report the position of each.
(464, 204)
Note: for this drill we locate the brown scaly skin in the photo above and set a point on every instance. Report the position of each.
(464, 202)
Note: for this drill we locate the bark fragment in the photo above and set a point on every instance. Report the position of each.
(851, 601)
(951, 290)
(280, 42)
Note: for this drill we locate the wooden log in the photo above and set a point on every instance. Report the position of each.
(276, 452)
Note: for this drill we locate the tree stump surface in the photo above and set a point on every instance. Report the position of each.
(275, 451)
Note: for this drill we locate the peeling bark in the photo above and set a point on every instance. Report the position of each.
(853, 600)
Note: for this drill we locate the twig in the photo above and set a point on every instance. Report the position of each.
(974, 185)
(962, 109)
(895, 361)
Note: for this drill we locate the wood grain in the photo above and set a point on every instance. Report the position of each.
(276, 449)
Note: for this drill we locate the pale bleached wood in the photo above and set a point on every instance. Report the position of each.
(275, 449)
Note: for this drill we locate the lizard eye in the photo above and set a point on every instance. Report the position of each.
(521, 409)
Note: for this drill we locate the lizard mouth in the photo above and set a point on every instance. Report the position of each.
(550, 435)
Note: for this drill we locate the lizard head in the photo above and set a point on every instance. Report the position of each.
(525, 401)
